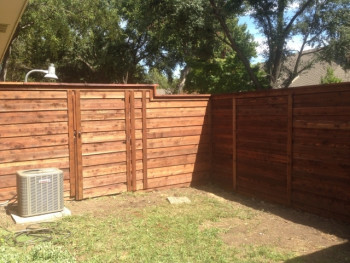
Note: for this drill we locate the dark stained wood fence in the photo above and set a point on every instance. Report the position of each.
(287, 146)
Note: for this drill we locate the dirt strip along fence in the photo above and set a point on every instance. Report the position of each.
(106, 138)
(287, 146)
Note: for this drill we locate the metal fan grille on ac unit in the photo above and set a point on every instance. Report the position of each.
(40, 191)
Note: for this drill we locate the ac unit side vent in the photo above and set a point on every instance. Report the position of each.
(39, 191)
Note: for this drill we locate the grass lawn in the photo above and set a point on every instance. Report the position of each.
(144, 227)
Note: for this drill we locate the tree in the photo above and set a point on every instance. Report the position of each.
(83, 38)
(222, 10)
(279, 20)
(128, 41)
(223, 71)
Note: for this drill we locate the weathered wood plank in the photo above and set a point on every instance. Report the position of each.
(254, 155)
(109, 179)
(13, 167)
(34, 153)
(317, 111)
(314, 168)
(32, 105)
(324, 206)
(262, 110)
(175, 132)
(277, 148)
(13, 130)
(319, 153)
(102, 115)
(103, 147)
(268, 100)
(16, 143)
(96, 104)
(177, 104)
(32, 94)
(176, 122)
(178, 169)
(319, 124)
(329, 99)
(87, 94)
(110, 136)
(33, 117)
(324, 188)
(103, 126)
(97, 170)
(97, 159)
(104, 190)
(7, 193)
(178, 179)
(177, 141)
(177, 160)
(169, 112)
(178, 150)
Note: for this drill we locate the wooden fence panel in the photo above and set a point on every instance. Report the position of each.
(222, 142)
(103, 137)
(178, 141)
(257, 157)
(289, 146)
(321, 153)
(33, 134)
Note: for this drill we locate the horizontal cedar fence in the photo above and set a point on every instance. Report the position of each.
(106, 138)
(288, 146)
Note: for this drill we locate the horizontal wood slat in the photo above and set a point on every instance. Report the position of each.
(293, 146)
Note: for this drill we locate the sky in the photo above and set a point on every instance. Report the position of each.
(293, 44)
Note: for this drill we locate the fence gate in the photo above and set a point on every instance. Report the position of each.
(102, 139)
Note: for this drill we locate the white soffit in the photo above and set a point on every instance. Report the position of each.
(10, 14)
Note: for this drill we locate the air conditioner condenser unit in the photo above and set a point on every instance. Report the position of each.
(39, 191)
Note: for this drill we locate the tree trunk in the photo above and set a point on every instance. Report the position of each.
(3, 69)
(181, 85)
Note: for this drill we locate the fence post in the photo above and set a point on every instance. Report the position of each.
(234, 145)
(144, 139)
(289, 148)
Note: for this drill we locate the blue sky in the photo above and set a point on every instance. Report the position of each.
(293, 44)
(258, 37)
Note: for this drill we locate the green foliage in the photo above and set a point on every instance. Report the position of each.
(117, 41)
(330, 77)
(223, 71)
(156, 77)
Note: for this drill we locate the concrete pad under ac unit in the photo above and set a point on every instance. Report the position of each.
(41, 218)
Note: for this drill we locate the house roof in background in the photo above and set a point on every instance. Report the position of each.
(313, 75)
(10, 13)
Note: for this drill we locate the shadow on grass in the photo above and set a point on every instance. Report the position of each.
(337, 253)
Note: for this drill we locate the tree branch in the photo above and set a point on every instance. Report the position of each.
(234, 45)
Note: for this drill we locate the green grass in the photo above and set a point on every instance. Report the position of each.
(162, 233)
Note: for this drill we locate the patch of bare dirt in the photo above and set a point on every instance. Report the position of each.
(314, 238)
